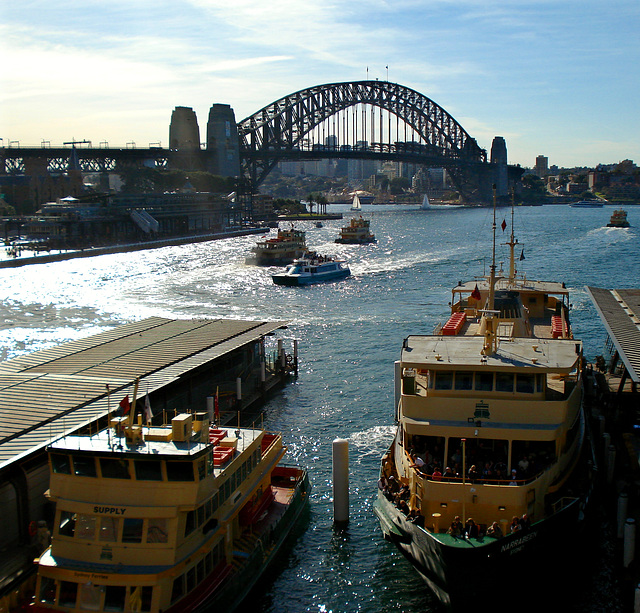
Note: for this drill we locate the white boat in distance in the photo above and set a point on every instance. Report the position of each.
(312, 268)
(355, 204)
(425, 203)
(587, 204)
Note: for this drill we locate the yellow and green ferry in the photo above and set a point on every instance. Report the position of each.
(183, 516)
(491, 468)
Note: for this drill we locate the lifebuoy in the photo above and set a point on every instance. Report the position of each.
(33, 528)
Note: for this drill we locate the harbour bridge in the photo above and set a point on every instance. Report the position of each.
(376, 120)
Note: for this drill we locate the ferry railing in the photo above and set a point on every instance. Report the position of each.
(563, 503)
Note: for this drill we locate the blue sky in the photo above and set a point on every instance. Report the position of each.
(554, 77)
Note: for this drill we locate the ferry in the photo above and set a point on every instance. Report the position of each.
(487, 481)
(357, 232)
(618, 219)
(312, 268)
(589, 204)
(183, 516)
(288, 245)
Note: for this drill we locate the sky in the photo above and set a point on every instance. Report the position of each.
(558, 78)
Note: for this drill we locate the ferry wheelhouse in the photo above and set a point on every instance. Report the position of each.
(491, 460)
(179, 517)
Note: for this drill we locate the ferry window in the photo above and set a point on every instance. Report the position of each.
(157, 531)
(200, 572)
(177, 591)
(148, 470)
(484, 381)
(140, 598)
(190, 523)
(464, 380)
(86, 527)
(540, 383)
(147, 596)
(180, 471)
(214, 503)
(47, 590)
(444, 380)
(68, 593)
(109, 529)
(525, 383)
(504, 382)
(114, 597)
(89, 596)
(210, 463)
(200, 515)
(67, 525)
(60, 463)
(132, 530)
(191, 579)
(114, 469)
(201, 469)
(84, 466)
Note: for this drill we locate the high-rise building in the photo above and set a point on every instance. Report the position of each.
(499, 159)
(542, 166)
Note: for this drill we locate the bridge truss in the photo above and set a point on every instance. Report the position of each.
(364, 119)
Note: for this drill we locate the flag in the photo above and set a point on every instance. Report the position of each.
(476, 293)
(148, 414)
(504, 225)
(124, 407)
(216, 408)
(522, 255)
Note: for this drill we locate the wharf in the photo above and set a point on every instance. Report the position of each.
(75, 387)
(612, 386)
(125, 248)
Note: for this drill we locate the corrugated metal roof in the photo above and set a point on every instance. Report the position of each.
(57, 390)
(619, 310)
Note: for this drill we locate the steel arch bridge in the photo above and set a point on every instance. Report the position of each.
(363, 119)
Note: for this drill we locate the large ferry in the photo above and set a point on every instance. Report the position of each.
(487, 479)
(618, 219)
(178, 517)
(288, 245)
(357, 232)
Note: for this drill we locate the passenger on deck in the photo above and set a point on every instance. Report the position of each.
(448, 474)
(471, 529)
(515, 525)
(495, 530)
(456, 527)
(525, 522)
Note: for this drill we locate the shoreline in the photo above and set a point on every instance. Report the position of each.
(124, 248)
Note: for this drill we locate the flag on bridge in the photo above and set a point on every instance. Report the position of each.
(148, 414)
(124, 407)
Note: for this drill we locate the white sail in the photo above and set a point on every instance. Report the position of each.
(425, 202)
(355, 205)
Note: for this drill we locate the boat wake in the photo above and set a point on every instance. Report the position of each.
(374, 441)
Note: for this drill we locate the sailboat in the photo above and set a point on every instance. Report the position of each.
(355, 205)
(425, 203)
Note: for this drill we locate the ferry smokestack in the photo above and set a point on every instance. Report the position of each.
(341, 481)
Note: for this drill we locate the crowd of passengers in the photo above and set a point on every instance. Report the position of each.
(400, 495)
(480, 469)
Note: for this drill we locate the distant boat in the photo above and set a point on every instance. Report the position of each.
(618, 219)
(425, 203)
(357, 232)
(355, 204)
(587, 204)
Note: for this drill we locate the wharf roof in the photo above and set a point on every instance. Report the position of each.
(464, 353)
(46, 394)
(619, 310)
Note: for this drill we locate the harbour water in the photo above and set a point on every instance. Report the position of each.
(349, 334)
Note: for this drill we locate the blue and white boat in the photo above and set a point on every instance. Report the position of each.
(587, 204)
(312, 268)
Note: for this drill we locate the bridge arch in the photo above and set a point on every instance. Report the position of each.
(280, 130)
